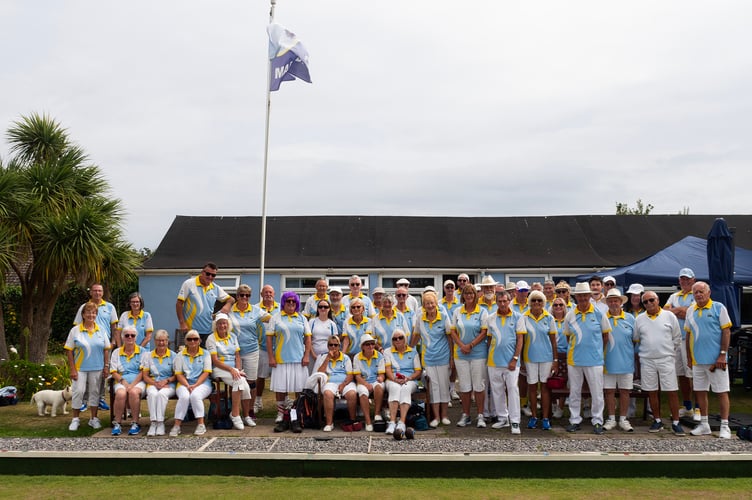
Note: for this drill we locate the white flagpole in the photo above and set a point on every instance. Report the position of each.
(266, 160)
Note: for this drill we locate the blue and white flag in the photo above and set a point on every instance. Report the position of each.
(288, 56)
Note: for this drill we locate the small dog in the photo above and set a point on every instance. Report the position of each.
(56, 400)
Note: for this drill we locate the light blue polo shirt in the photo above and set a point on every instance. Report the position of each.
(585, 331)
(337, 370)
(264, 327)
(289, 331)
(450, 306)
(468, 325)
(705, 326)
(106, 317)
(191, 367)
(127, 366)
(384, 327)
(224, 348)
(245, 324)
(681, 299)
(198, 303)
(141, 322)
(405, 363)
(620, 348)
(537, 348)
(354, 331)
(88, 347)
(503, 330)
(369, 368)
(434, 337)
(160, 367)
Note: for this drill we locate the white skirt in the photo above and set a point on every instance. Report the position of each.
(288, 377)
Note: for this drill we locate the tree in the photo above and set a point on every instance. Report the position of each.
(641, 209)
(58, 223)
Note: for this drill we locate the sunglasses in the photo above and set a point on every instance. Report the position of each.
(290, 301)
(211, 275)
(536, 300)
(356, 307)
(355, 284)
(192, 339)
(398, 338)
(448, 286)
(333, 345)
(369, 344)
(244, 295)
(323, 307)
(129, 336)
(558, 305)
(648, 301)
(562, 290)
(401, 295)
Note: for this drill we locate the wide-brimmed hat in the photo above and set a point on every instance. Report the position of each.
(366, 338)
(581, 288)
(488, 280)
(378, 289)
(616, 293)
(510, 287)
(636, 288)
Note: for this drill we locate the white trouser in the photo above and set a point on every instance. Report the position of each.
(157, 399)
(594, 377)
(505, 392)
(195, 399)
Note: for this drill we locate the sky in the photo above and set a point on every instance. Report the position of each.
(417, 107)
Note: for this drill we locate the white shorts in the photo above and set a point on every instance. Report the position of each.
(704, 379)
(618, 381)
(538, 372)
(472, 374)
(682, 366)
(264, 371)
(140, 385)
(438, 385)
(401, 392)
(655, 370)
(332, 387)
(288, 377)
(362, 391)
(250, 364)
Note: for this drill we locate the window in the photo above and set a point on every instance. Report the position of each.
(228, 283)
(416, 282)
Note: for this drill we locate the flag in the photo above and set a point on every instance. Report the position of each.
(289, 59)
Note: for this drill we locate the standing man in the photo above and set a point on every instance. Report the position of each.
(657, 332)
(412, 302)
(596, 285)
(708, 336)
(678, 303)
(339, 311)
(269, 306)
(587, 329)
(488, 294)
(548, 290)
(309, 311)
(107, 320)
(356, 285)
(196, 299)
(519, 303)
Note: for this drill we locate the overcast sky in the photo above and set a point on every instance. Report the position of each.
(417, 107)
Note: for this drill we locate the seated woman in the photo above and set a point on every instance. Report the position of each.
(225, 355)
(158, 370)
(402, 372)
(125, 369)
(192, 369)
(337, 368)
(369, 369)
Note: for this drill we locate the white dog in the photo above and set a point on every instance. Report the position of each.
(56, 400)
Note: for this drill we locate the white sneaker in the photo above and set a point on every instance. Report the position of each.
(175, 431)
(152, 430)
(516, 428)
(609, 425)
(75, 424)
(481, 422)
(160, 429)
(433, 423)
(701, 430)
(626, 426)
(237, 422)
(446, 421)
(401, 426)
(464, 420)
(557, 411)
(328, 428)
(280, 417)
(369, 427)
(94, 423)
(697, 416)
(725, 432)
(526, 411)
(454, 395)
(501, 423)
(258, 405)
(378, 418)
(200, 430)
(387, 414)
(449, 404)
(390, 428)
(249, 422)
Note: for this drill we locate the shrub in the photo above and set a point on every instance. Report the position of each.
(29, 377)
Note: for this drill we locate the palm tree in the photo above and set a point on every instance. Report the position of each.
(60, 222)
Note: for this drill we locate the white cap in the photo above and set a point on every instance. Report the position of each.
(336, 289)
(522, 285)
(221, 316)
(609, 278)
(403, 281)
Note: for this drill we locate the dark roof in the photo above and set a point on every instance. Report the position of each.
(430, 242)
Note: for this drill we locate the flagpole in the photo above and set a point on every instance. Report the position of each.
(266, 160)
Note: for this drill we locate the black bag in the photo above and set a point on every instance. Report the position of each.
(416, 416)
(745, 432)
(306, 407)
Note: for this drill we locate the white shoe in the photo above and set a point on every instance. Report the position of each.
(626, 426)
(502, 422)
(696, 415)
(516, 429)
(401, 427)
(433, 424)
(160, 429)
(701, 430)
(526, 411)
(387, 414)
(94, 423)
(454, 395)
(152, 430)
(449, 404)
(378, 418)
(280, 417)
(390, 428)
(237, 422)
(249, 422)
(175, 431)
(481, 422)
(464, 420)
(328, 428)
(75, 424)
(725, 432)
(369, 427)
(557, 411)
(258, 405)
(609, 425)
(200, 430)
(446, 421)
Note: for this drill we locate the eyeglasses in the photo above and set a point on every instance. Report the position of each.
(369, 344)
(448, 286)
(323, 306)
(192, 339)
(129, 336)
(210, 275)
(399, 338)
(401, 295)
(561, 290)
(244, 295)
(333, 345)
(290, 301)
(536, 300)
(649, 301)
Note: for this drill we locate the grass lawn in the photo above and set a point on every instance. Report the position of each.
(218, 487)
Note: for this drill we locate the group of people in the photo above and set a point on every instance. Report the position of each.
(474, 340)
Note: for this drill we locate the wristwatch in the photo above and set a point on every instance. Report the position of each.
(516, 358)
(723, 352)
